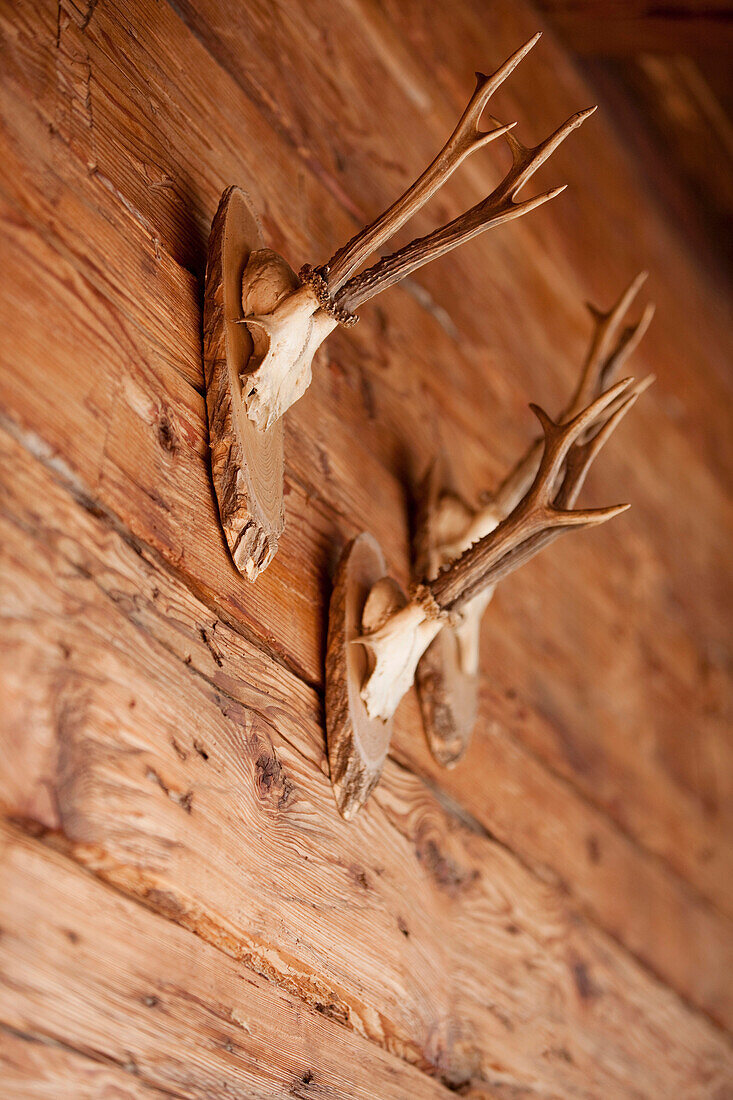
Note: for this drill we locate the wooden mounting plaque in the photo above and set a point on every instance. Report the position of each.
(246, 463)
(448, 696)
(448, 699)
(357, 744)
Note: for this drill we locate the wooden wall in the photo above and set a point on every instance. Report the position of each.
(182, 911)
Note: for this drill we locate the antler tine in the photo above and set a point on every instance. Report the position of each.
(636, 390)
(495, 209)
(602, 361)
(540, 514)
(560, 437)
(582, 455)
(468, 124)
(578, 463)
(397, 643)
(465, 139)
(526, 161)
(609, 350)
(627, 344)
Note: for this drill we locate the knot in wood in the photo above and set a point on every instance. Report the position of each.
(315, 277)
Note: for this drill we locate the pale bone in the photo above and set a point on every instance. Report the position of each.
(394, 651)
(396, 646)
(287, 338)
(610, 347)
(285, 342)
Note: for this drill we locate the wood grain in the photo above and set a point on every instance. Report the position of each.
(85, 966)
(606, 781)
(214, 808)
(670, 929)
(34, 1067)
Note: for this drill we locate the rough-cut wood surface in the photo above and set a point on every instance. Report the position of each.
(406, 925)
(34, 1067)
(551, 918)
(98, 973)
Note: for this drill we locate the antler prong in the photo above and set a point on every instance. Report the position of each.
(517, 209)
(487, 85)
(628, 342)
(606, 354)
(287, 337)
(589, 517)
(560, 437)
(610, 346)
(527, 160)
(397, 644)
(495, 209)
(539, 515)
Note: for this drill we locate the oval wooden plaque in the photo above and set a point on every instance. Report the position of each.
(357, 744)
(246, 463)
(448, 696)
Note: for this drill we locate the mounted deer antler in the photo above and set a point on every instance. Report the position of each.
(263, 323)
(446, 677)
(377, 636)
(541, 515)
(307, 308)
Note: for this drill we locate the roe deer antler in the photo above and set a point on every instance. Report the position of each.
(467, 138)
(610, 347)
(286, 339)
(446, 677)
(544, 512)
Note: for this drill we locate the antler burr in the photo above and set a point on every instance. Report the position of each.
(304, 309)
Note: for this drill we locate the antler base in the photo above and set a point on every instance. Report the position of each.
(247, 464)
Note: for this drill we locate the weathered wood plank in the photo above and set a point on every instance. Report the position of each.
(175, 298)
(85, 966)
(566, 840)
(214, 807)
(33, 1067)
(680, 769)
(45, 168)
(323, 454)
(535, 813)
